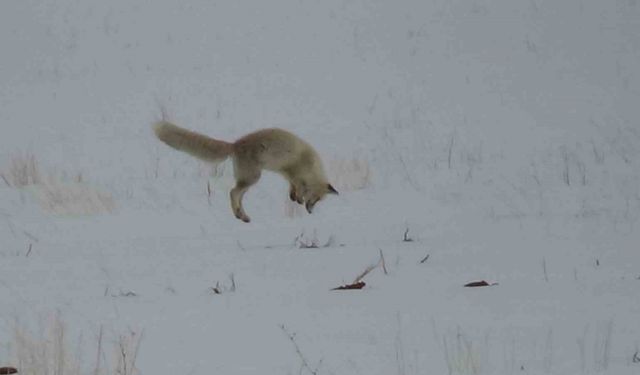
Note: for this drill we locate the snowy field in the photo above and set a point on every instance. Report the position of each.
(469, 140)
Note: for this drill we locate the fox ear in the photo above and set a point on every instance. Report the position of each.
(331, 189)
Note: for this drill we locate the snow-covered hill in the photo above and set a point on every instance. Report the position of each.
(502, 137)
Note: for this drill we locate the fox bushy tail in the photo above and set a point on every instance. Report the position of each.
(195, 144)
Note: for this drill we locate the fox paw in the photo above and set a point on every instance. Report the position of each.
(242, 216)
(295, 198)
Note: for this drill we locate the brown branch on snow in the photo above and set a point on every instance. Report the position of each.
(354, 286)
(357, 282)
(365, 273)
(381, 263)
(8, 370)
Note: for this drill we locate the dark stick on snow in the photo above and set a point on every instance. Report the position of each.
(405, 237)
(292, 338)
(233, 283)
(382, 262)
(480, 283)
(425, 259)
(5, 180)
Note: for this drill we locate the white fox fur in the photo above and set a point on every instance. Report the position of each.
(272, 149)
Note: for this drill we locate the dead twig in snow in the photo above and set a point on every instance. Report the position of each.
(357, 282)
(382, 263)
(303, 360)
(405, 236)
(223, 289)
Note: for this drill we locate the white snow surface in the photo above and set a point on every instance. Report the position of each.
(503, 135)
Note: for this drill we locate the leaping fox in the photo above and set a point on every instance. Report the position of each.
(272, 149)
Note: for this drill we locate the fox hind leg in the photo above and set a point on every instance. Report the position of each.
(244, 179)
(236, 195)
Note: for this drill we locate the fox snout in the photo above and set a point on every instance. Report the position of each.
(311, 202)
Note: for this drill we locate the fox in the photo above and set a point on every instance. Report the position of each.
(272, 149)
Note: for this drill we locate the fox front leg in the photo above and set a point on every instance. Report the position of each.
(295, 194)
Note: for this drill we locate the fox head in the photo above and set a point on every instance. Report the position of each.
(317, 193)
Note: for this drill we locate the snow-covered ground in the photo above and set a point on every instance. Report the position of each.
(503, 137)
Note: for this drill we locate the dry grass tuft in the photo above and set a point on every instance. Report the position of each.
(23, 171)
(47, 354)
(73, 199)
(50, 352)
(55, 194)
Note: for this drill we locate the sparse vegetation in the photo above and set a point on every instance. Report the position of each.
(127, 353)
(53, 193)
(221, 288)
(73, 199)
(461, 354)
(50, 352)
(23, 171)
(303, 241)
